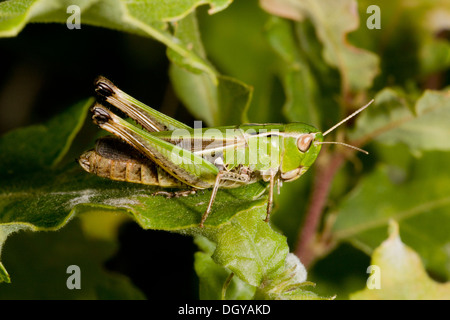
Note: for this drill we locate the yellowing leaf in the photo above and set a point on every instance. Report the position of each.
(333, 20)
(402, 274)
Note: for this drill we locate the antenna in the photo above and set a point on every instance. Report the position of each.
(342, 144)
(349, 117)
(341, 122)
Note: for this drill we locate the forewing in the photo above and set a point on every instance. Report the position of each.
(183, 164)
(147, 117)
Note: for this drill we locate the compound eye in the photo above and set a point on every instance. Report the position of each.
(304, 142)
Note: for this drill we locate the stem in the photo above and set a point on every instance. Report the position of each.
(226, 284)
(326, 170)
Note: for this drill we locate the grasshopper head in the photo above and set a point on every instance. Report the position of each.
(302, 144)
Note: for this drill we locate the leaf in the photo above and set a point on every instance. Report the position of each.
(235, 42)
(5, 231)
(212, 276)
(391, 121)
(333, 20)
(299, 83)
(49, 205)
(151, 10)
(235, 224)
(41, 146)
(33, 149)
(147, 18)
(47, 200)
(418, 199)
(223, 102)
(389, 107)
(402, 274)
(289, 285)
(42, 273)
(250, 247)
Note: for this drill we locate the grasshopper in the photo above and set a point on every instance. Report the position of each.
(170, 154)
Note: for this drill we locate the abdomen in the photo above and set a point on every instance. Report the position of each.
(115, 160)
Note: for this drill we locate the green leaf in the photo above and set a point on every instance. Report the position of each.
(402, 275)
(223, 102)
(250, 247)
(390, 106)
(147, 18)
(213, 277)
(38, 263)
(333, 20)
(289, 285)
(173, 10)
(418, 199)
(34, 149)
(5, 231)
(286, 285)
(299, 83)
(245, 243)
(391, 121)
(47, 201)
(41, 146)
(235, 42)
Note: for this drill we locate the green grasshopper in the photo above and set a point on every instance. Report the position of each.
(170, 154)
